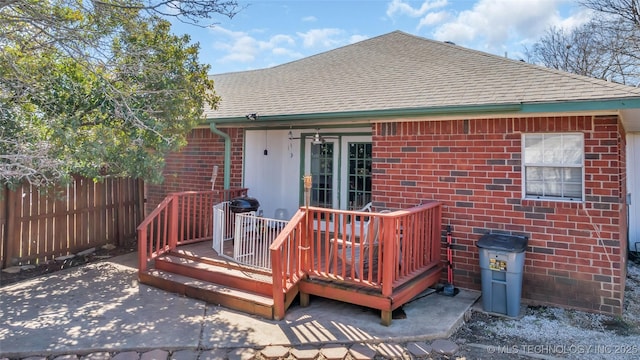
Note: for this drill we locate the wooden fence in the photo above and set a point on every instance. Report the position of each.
(38, 225)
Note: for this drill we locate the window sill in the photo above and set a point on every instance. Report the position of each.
(551, 202)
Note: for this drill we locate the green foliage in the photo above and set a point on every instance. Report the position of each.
(102, 90)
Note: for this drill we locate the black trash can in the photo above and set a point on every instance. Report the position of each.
(501, 265)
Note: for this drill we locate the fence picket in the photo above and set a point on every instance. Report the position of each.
(36, 226)
(3, 225)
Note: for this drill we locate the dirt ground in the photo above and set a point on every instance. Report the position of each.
(550, 333)
(541, 333)
(28, 272)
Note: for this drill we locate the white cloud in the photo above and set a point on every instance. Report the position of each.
(457, 32)
(329, 38)
(403, 8)
(325, 38)
(289, 53)
(495, 23)
(357, 38)
(248, 47)
(281, 39)
(240, 46)
(575, 20)
(309, 19)
(433, 18)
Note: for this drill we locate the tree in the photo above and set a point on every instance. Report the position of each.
(607, 47)
(97, 88)
(624, 11)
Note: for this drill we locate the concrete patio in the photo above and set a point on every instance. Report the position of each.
(101, 307)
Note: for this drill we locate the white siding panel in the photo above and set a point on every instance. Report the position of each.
(274, 179)
(633, 187)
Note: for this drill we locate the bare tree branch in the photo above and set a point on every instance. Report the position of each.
(629, 10)
(608, 47)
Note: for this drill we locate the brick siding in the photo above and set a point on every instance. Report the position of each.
(577, 251)
(191, 168)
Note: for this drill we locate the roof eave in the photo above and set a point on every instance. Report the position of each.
(365, 116)
(368, 116)
(581, 105)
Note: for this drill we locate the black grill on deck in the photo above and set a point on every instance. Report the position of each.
(243, 205)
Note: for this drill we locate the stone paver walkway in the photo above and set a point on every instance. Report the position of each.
(357, 351)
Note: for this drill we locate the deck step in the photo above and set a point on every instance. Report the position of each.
(233, 298)
(229, 264)
(246, 279)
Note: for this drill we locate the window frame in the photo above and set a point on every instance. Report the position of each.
(525, 165)
(358, 173)
(326, 169)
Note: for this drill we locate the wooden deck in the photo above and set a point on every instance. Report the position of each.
(196, 270)
(204, 253)
(399, 260)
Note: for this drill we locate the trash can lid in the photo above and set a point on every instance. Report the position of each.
(510, 243)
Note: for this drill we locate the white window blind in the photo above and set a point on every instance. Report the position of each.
(553, 166)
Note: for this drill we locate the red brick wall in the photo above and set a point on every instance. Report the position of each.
(191, 168)
(576, 252)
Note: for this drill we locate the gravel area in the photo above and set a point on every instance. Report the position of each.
(549, 332)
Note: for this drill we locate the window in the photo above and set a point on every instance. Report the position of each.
(340, 168)
(553, 166)
(359, 175)
(322, 175)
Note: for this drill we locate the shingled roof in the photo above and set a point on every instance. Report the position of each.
(401, 71)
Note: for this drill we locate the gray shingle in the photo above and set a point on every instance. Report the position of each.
(400, 71)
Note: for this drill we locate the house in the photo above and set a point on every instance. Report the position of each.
(506, 146)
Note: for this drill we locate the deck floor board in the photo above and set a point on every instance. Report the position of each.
(203, 251)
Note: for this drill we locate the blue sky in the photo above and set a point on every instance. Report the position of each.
(266, 33)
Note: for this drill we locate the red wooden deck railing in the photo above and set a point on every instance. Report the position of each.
(181, 218)
(387, 249)
(287, 257)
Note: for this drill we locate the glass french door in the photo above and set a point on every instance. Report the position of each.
(340, 172)
(358, 174)
(323, 170)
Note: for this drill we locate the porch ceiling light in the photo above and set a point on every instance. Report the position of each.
(317, 139)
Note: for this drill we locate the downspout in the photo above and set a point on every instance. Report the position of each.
(227, 153)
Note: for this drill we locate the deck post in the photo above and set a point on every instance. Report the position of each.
(173, 223)
(386, 317)
(278, 291)
(307, 228)
(304, 299)
(303, 250)
(304, 247)
(142, 249)
(388, 260)
(305, 244)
